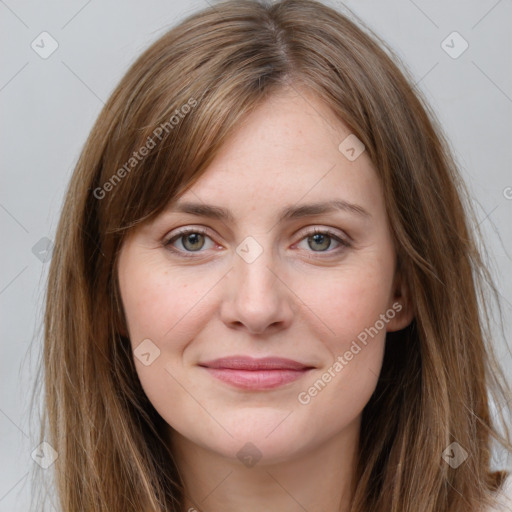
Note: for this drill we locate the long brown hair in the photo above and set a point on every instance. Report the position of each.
(181, 100)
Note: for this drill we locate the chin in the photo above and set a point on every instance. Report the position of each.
(262, 437)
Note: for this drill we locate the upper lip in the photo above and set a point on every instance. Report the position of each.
(251, 363)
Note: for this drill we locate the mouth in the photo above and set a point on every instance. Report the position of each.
(253, 374)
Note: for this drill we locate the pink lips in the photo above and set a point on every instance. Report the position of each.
(250, 373)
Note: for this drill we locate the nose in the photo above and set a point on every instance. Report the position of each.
(257, 298)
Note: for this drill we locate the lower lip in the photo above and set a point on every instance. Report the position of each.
(257, 379)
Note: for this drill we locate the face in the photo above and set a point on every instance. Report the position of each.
(254, 316)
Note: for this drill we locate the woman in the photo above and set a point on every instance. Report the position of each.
(265, 287)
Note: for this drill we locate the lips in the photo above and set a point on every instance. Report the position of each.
(250, 373)
(253, 364)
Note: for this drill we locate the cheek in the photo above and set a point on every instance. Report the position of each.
(349, 302)
(163, 311)
(349, 305)
(158, 300)
(355, 340)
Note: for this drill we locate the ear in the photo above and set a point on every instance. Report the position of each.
(401, 303)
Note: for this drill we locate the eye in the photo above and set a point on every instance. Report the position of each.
(321, 240)
(195, 240)
(189, 240)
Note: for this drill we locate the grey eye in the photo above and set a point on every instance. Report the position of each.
(193, 241)
(319, 241)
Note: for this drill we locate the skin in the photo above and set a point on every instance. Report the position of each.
(302, 298)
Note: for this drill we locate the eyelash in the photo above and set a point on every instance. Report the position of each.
(344, 244)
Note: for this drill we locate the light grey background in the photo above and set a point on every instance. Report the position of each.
(49, 105)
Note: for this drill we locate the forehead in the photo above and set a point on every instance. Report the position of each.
(288, 151)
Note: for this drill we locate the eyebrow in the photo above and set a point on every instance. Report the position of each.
(288, 213)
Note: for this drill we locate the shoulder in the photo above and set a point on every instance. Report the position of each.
(504, 495)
